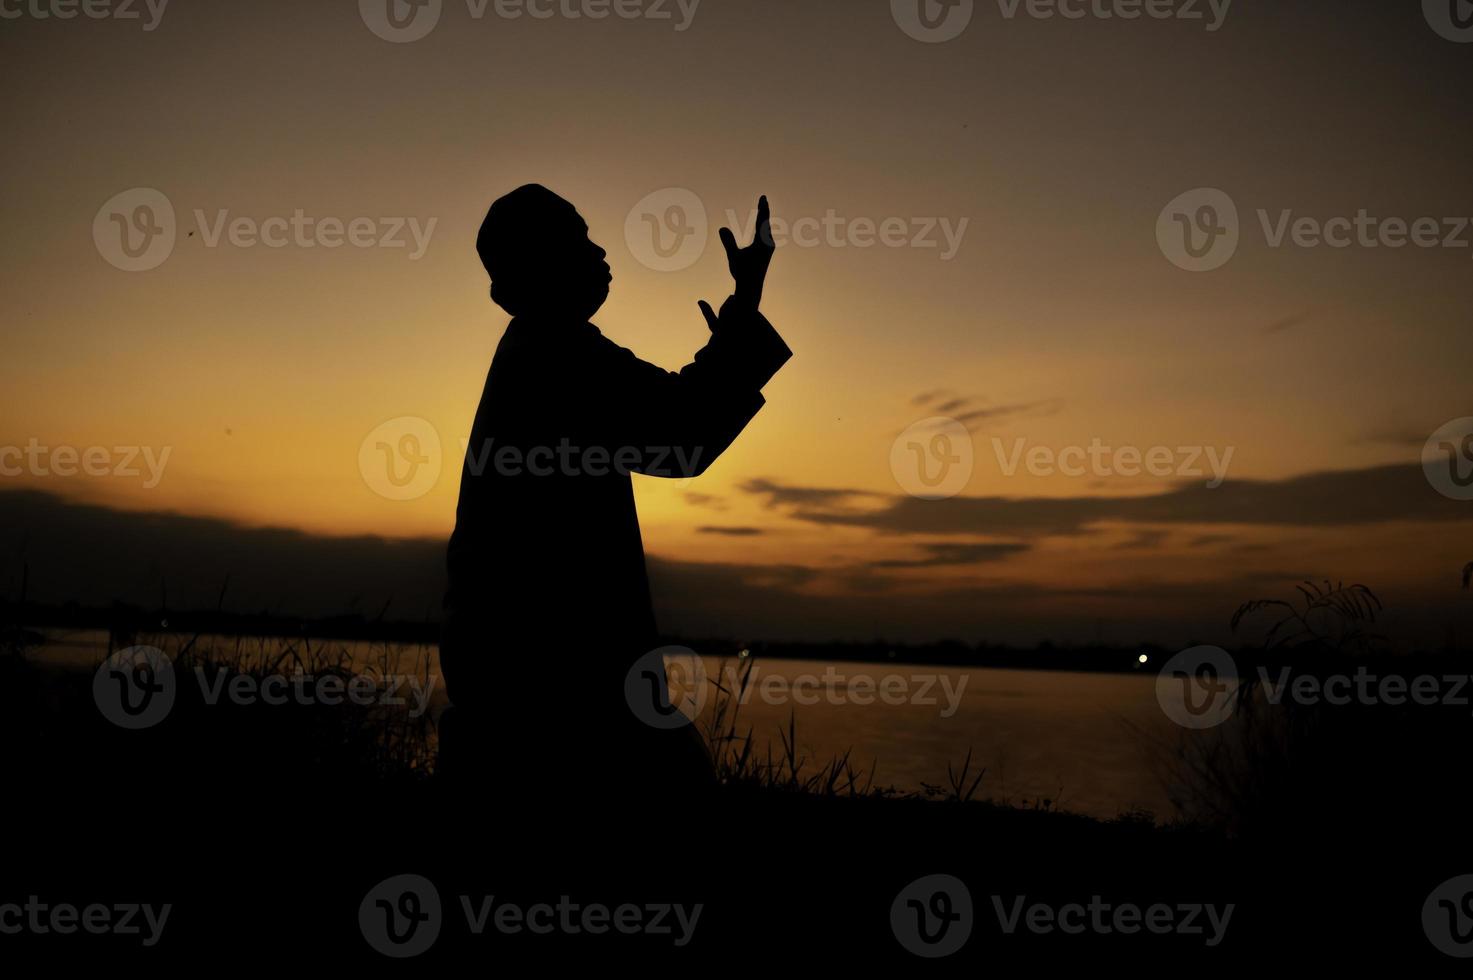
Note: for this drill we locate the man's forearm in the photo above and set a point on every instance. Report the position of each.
(757, 350)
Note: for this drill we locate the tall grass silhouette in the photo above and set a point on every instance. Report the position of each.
(740, 767)
(1287, 764)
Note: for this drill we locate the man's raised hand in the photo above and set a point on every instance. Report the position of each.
(749, 265)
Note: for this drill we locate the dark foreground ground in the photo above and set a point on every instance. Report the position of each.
(268, 839)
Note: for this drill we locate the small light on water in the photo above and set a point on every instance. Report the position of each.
(744, 654)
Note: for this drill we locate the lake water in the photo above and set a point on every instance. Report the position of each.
(1078, 740)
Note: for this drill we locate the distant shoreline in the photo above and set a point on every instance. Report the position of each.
(356, 627)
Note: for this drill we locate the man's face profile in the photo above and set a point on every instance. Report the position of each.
(535, 247)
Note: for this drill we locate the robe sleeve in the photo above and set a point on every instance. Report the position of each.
(679, 422)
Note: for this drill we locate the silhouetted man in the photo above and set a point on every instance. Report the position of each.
(548, 604)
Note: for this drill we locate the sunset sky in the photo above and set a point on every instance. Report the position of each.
(1059, 321)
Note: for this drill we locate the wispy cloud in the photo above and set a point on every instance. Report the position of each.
(1038, 409)
(1287, 323)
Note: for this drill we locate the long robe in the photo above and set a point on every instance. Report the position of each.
(548, 605)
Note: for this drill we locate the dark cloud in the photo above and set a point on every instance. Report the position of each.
(705, 500)
(735, 532)
(1144, 540)
(1325, 499)
(1405, 437)
(779, 495)
(96, 555)
(957, 553)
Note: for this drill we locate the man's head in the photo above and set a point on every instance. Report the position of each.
(536, 249)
